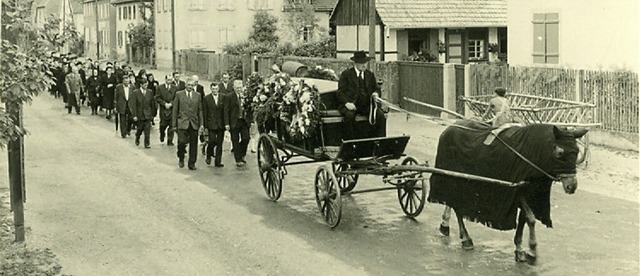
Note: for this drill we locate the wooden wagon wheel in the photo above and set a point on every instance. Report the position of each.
(346, 183)
(412, 193)
(328, 196)
(583, 149)
(269, 167)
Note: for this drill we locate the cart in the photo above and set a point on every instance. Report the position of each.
(530, 109)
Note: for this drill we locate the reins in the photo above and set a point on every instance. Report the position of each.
(392, 106)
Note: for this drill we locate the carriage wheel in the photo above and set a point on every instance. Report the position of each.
(269, 167)
(328, 196)
(412, 194)
(346, 182)
(583, 149)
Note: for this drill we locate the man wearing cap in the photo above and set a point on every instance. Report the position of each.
(213, 114)
(357, 91)
(187, 120)
(165, 94)
(142, 104)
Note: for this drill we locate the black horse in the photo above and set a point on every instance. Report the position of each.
(535, 155)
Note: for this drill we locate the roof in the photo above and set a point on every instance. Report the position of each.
(401, 14)
(324, 5)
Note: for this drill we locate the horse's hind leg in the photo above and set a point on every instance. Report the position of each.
(532, 255)
(467, 243)
(517, 239)
(444, 226)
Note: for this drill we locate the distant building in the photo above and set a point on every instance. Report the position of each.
(65, 10)
(580, 34)
(129, 13)
(455, 31)
(210, 25)
(102, 37)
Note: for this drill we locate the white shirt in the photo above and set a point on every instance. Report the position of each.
(189, 94)
(359, 73)
(126, 92)
(215, 98)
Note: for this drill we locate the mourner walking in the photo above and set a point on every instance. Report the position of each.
(73, 82)
(165, 94)
(142, 105)
(213, 114)
(238, 123)
(187, 120)
(108, 86)
(123, 95)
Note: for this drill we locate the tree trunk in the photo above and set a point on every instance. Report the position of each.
(16, 174)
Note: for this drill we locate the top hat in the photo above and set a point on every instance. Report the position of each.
(360, 57)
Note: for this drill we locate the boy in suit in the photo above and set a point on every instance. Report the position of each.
(357, 91)
(213, 113)
(187, 120)
(142, 105)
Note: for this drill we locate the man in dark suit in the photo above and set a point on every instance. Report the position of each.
(180, 84)
(357, 91)
(187, 119)
(123, 94)
(142, 105)
(165, 94)
(226, 87)
(237, 122)
(213, 113)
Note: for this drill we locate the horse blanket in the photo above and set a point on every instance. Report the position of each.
(461, 149)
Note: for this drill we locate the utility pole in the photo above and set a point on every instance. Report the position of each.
(372, 33)
(97, 31)
(173, 35)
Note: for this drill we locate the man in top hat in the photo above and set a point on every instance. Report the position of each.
(357, 91)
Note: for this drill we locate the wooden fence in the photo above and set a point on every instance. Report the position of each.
(207, 65)
(614, 93)
(422, 82)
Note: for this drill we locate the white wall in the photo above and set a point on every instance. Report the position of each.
(356, 38)
(594, 34)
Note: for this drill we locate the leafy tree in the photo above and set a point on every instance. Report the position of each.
(25, 66)
(302, 16)
(142, 35)
(69, 36)
(264, 29)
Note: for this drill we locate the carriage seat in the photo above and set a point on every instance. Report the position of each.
(334, 116)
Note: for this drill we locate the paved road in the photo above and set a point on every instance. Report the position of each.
(106, 207)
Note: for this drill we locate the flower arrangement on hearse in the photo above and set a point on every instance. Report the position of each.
(290, 108)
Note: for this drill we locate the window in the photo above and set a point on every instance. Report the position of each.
(306, 33)
(158, 6)
(476, 49)
(165, 5)
(134, 12)
(196, 37)
(227, 5)
(225, 36)
(262, 5)
(119, 13)
(545, 38)
(196, 5)
(120, 39)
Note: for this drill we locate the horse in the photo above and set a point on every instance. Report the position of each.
(535, 156)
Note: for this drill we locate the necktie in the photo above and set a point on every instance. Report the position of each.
(189, 95)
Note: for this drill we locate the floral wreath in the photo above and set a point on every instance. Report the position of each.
(320, 72)
(296, 104)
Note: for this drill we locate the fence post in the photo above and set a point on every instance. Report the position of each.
(448, 89)
(467, 87)
(578, 96)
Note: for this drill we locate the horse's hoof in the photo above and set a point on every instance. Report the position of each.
(467, 245)
(521, 256)
(531, 259)
(444, 230)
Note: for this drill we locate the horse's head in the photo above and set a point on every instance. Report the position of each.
(564, 153)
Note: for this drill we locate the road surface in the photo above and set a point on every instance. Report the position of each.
(107, 207)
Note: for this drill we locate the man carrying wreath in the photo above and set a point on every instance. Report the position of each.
(357, 91)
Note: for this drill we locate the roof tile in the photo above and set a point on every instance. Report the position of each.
(442, 13)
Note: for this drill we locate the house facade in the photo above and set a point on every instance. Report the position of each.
(579, 34)
(65, 10)
(451, 31)
(211, 25)
(99, 29)
(129, 13)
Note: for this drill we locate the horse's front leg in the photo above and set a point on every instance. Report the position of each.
(532, 255)
(467, 243)
(521, 255)
(444, 226)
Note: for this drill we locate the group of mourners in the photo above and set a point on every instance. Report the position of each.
(135, 100)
